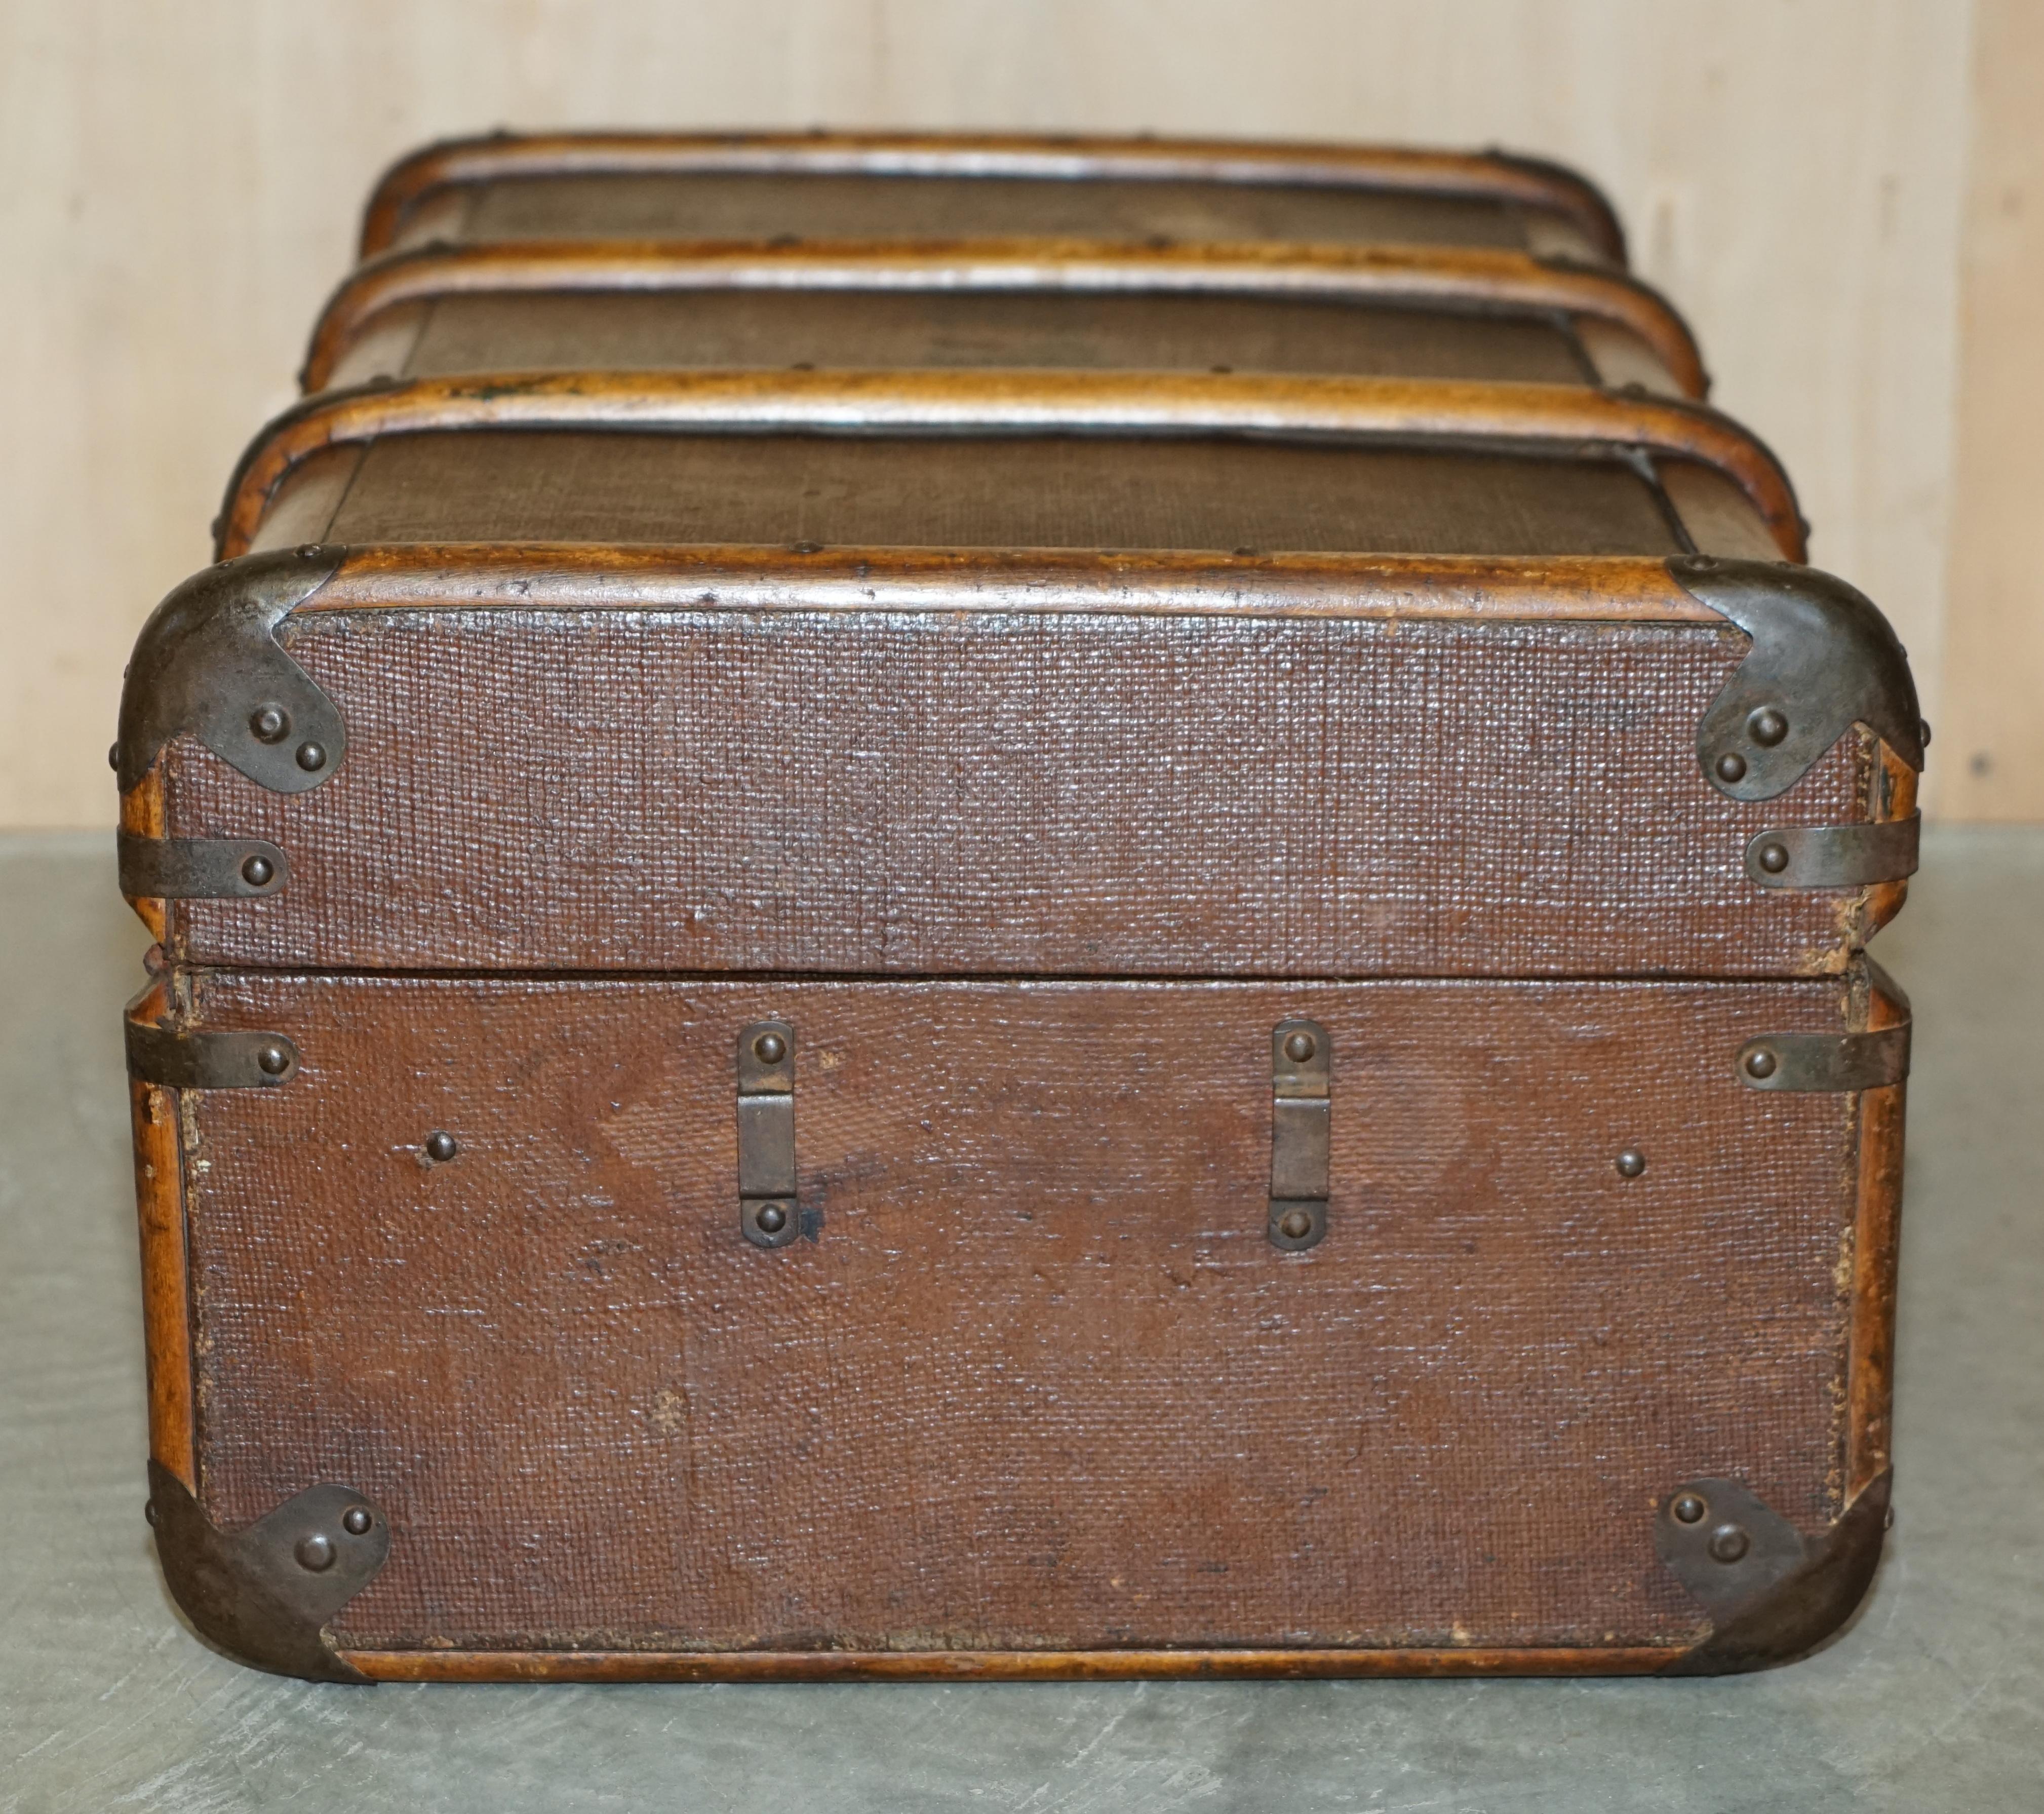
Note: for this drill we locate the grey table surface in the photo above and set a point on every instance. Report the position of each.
(1932, 1699)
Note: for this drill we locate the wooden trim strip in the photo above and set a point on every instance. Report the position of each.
(159, 1199)
(1448, 277)
(968, 400)
(1877, 1241)
(991, 1665)
(1492, 175)
(581, 576)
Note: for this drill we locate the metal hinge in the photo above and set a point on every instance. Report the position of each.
(180, 868)
(178, 1058)
(1822, 659)
(1835, 856)
(767, 1212)
(1838, 1061)
(1301, 1077)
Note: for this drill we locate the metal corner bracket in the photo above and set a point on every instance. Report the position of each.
(208, 662)
(264, 1595)
(1802, 858)
(184, 869)
(1823, 658)
(201, 1058)
(1773, 1593)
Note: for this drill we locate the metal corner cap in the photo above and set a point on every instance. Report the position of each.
(264, 1595)
(1801, 1605)
(1823, 658)
(208, 662)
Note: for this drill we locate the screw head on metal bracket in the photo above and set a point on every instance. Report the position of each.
(1731, 766)
(259, 872)
(1689, 1508)
(270, 724)
(357, 1521)
(1729, 1542)
(315, 1553)
(1300, 1047)
(311, 757)
(273, 1059)
(1772, 856)
(1297, 1225)
(770, 1048)
(1767, 726)
(1760, 1063)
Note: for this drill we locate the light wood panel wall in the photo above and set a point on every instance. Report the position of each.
(179, 187)
(1991, 754)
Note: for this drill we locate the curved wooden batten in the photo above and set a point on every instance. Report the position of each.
(980, 401)
(1495, 176)
(1458, 278)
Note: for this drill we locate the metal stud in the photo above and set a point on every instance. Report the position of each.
(1767, 726)
(258, 871)
(772, 1219)
(1294, 1225)
(1772, 856)
(357, 1521)
(272, 1059)
(440, 1147)
(1300, 1047)
(312, 758)
(770, 1048)
(315, 1553)
(1731, 768)
(1631, 1163)
(1729, 1542)
(1760, 1063)
(271, 723)
(1689, 1508)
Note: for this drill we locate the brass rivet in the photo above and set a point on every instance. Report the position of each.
(1689, 1508)
(257, 872)
(1760, 1063)
(1767, 726)
(772, 1219)
(272, 1059)
(1300, 1046)
(355, 1520)
(1729, 1541)
(1731, 768)
(770, 1048)
(1294, 1225)
(1631, 1163)
(315, 1553)
(312, 758)
(271, 724)
(440, 1147)
(1773, 856)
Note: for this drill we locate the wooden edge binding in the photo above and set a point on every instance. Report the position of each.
(987, 1666)
(966, 399)
(582, 576)
(1492, 175)
(160, 1197)
(1455, 277)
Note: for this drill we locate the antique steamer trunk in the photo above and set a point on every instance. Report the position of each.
(1014, 1022)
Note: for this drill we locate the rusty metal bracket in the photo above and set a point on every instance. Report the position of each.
(1822, 659)
(1301, 1088)
(265, 1594)
(1771, 1592)
(1806, 857)
(767, 1212)
(199, 1058)
(1834, 1061)
(181, 869)
(208, 662)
